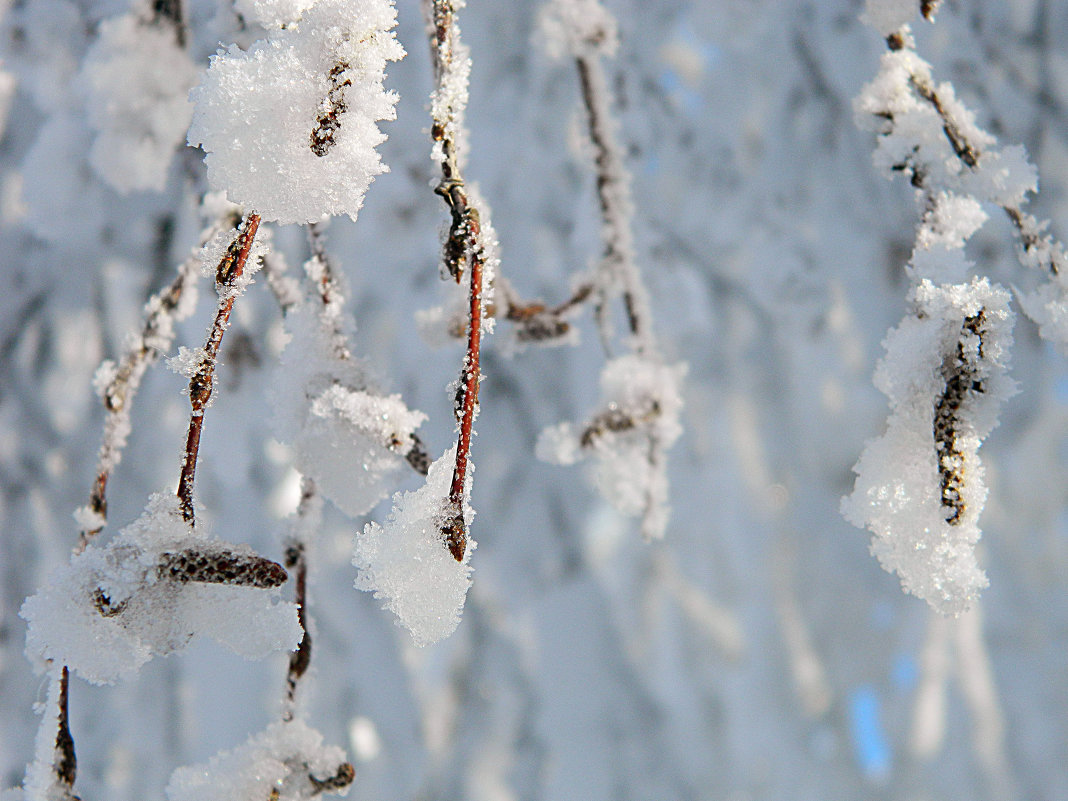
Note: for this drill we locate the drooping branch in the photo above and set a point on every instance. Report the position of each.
(463, 243)
(201, 385)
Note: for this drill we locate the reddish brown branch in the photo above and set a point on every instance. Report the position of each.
(229, 271)
(462, 243)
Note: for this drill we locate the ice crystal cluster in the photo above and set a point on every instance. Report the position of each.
(115, 607)
(405, 563)
(289, 126)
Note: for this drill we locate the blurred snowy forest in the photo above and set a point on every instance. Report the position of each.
(758, 651)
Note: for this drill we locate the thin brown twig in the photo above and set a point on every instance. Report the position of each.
(230, 269)
(463, 242)
(297, 561)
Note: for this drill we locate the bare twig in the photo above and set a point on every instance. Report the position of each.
(229, 271)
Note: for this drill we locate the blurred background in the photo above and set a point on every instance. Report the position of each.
(758, 652)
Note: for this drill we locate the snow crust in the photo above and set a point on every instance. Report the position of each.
(406, 563)
(283, 758)
(900, 492)
(109, 611)
(257, 112)
(137, 78)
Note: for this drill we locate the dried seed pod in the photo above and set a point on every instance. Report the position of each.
(222, 566)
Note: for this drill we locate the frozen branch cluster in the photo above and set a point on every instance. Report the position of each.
(289, 126)
(153, 588)
(920, 486)
(641, 400)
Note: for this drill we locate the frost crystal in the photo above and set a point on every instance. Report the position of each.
(285, 762)
(406, 563)
(154, 587)
(138, 79)
(920, 487)
(289, 126)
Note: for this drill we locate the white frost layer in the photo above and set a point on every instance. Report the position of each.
(406, 563)
(256, 112)
(641, 406)
(898, 493)
(150, 616)
(138, 80)
(283, 758)
(350, 441)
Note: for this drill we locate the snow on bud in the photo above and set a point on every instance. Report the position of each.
(289, 126)
(919, 486)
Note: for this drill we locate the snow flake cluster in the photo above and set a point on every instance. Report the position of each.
(289, 126)
(919, 486)
(350, 440)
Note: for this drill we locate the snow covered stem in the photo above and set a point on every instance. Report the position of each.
(156, 337)
(1036, 245)
(227, 275)
(613, 195)
(463, 243)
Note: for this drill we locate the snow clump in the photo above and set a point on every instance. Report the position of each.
(289, 126)
(406, 562)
